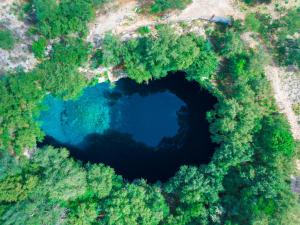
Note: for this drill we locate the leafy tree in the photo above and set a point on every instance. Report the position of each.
(71, 51)
(54, 19)
(22, 93)
(205, 65)
(100, 180)
(112, 51)
(60, 178)
(151, 57)
(16, 188)
(191, 188)
(229, 43)
(20, 102)
(276, 137)
(60, 75)
(7, 40)
(184, 52)
(34, 212)
(134, 204)
(62, 81)
(288, 52)
(84, 213)
(8, 165)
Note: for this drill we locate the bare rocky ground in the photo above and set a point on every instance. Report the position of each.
(20, 56)
(124, 20)
(286, 87)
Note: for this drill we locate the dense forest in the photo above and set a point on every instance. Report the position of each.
(248, 178)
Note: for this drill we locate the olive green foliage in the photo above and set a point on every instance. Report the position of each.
(112, 51)
(205, 65)
(287, 43)
(32, 212)
(279, 34)
(59, 75)
(135, 204)
(100, 180)
(65, 178)
(21, 94)
(54, 19)
(229, 44)
(256, 146)
(144, 30)
(296, 108)
(277, 138)
(246, 182)
(254, 2)
(260, 188)
(7, 40)
(16, 188)
(289, 51)
(152, 57)
(65, 192)
(39, 47)
(161, 6)
(83, 213)
(252, 22)
(195, 192)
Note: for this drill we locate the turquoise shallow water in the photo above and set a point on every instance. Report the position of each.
(119, 126)
(147, 118)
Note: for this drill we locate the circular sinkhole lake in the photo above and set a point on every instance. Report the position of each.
(141, 130)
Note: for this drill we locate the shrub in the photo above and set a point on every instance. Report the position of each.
(161, 6)
(296, 108)
(144, 30)
(288, 52)
(276, 137)
(252, 23)
(112, 50)
(253, 2)
(205, 64)
(54, 19)
(39, 47)
(7, 40)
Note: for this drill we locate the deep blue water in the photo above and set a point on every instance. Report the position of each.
(144, 130)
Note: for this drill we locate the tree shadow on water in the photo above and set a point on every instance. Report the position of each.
(131, 159)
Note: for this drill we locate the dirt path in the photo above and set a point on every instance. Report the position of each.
(125, 19)
(274, 74)
(285, 85)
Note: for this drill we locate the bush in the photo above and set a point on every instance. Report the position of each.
(161, 6)
(151, 57)
(38, 48)
(288, 52)
(253, 2)
(252, 23)
(112, 51)
(205, 64)
(144, 30)
(68, 16)
(296, 108)
(59, 75)
(276, 137)
(7, 40)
